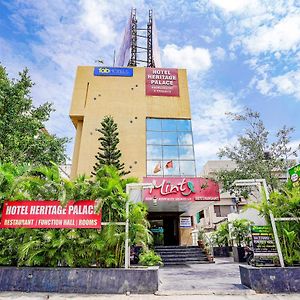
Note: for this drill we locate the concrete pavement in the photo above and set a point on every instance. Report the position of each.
(221, 277)
(44, 296)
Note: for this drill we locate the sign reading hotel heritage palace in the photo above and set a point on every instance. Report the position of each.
(162, 82)
(50, 214)
(182, 189)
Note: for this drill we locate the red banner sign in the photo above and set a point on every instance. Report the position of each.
(182, 189)
(162, 82)
(50, 214)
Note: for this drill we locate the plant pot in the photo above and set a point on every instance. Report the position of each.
(201, 244)
(221, 251)
(239, 254)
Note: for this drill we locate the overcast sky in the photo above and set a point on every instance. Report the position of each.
(238, 53)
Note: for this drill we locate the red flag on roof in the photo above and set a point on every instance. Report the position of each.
(169, 164)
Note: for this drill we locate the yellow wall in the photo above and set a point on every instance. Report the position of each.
(123, 98)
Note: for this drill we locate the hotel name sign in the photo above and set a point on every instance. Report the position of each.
(182, 189)
(109, 71)
(162, 82)
(50, 214)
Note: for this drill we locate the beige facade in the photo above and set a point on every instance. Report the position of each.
(125, 99)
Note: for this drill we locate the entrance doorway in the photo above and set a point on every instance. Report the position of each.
(165, 228)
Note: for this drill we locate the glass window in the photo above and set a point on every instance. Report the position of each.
(154, 168)
(154, 138)
(154, 124)
(170, 152)
(169, 124)
(184, 125)
(170, 138)
(171, 167)
(154, 152)
(185, 138)
(186, 152)
(187, 168)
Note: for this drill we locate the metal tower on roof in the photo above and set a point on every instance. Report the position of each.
(139, 45)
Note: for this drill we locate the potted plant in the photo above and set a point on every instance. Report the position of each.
(201, 238)
(240, 231)
(221, 241)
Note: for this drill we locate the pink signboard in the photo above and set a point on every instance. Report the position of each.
(162, 82)
(182, 189)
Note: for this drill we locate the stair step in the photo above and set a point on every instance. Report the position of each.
(181, 255)
(176, 251)
(176, 247)
(185, 259)
(185, 263)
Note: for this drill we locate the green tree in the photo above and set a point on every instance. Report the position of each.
(284, 203)
(109, 154)
(70, 247)
(255, 156)
(23, 137)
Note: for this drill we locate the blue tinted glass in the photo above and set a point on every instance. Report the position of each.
(153, 138)
(154, 152)
(171, 167)
(184, 125)
(170, 138)
(154, 124)
(186, 152)
(187, 168)
(169, 124)
(185, 138)
(154, 168)
(170, 152)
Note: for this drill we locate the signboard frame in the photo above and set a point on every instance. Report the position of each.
(264, 246)
(113, 71)
(50, 214)
(181, 189)
(162, 82)
(185, 222)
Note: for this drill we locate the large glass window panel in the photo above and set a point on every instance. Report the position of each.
(154, 152)
(186, 152)
(169, 125)
(170, 152)
(187, 168)
(154, 124)
(173, 170)
(154, 138)
(184, 125)
(154, 168)
(170, 138)
(185, 138)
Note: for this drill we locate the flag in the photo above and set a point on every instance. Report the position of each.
(157, 168)
(169, 164)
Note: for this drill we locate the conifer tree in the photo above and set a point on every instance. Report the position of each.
(108, 153)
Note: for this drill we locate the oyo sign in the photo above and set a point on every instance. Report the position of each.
(182, 189)
(162, 82)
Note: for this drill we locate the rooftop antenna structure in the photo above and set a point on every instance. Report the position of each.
(133, 51)
(133, 59)
(150, 60)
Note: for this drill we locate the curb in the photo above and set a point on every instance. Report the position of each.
(205, 292)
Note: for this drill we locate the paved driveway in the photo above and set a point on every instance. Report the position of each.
(220, 277)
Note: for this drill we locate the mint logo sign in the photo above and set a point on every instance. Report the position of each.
(181, 189)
